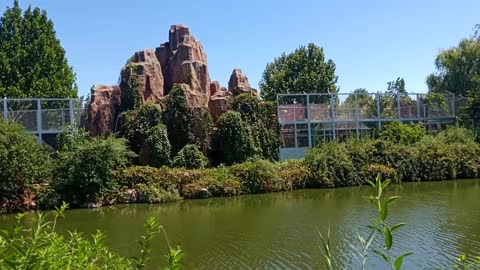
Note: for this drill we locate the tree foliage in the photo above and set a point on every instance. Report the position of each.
(178, 119)
(32, 61)
(136, 123)
(158, 146)
(458, 71)
(22, 160)
(304, 70)
(190, 157)
(238, 143)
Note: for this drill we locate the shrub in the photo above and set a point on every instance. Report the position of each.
(434, 161)
(361, 152)
(83, 172)
(136, 123)
(331, 166)
(387, 173)
(159, 147)
(133, 176)
(178, 119)
(398, 132)
(23, 161)
(456, 135)
(258, 176)
(294, 174)
(238, 144)
(155, 193)
(190, 157)
(218, 181)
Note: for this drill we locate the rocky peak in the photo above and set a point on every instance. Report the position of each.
(238, 83)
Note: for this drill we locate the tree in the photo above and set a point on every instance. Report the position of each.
(178, 119)
(32, 60)
(190, 157)
(159, 147)
(304, 70)
(136, 123)
(396, 87)
(238, 144)
(458, 71)
(23, 161)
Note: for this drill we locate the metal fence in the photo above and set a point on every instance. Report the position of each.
(42, 117)
(308, 119)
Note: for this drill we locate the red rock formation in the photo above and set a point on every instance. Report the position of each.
(146, 68)
(181, 60)
(103, 109)
(238, 84)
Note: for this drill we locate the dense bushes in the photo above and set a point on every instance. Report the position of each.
(190, 157)
(159, 147)
(84, 166)
(23, 161)
(238, 144)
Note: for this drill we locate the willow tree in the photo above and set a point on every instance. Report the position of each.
(32, 60)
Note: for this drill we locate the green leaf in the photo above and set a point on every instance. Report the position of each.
(384, 211)
(398, 226)
(399, 261)
(383, 256)
(392, 199)
(388, 238)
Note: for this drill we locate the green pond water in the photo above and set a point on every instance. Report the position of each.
(279, 231)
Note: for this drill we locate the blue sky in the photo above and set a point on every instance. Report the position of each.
(371, 42)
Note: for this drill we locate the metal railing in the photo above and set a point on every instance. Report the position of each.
(44, 115)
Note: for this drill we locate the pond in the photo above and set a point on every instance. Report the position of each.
(279, 231)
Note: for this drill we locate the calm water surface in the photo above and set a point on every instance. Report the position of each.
(279, 231)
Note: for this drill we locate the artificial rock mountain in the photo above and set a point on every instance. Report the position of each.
(180, 61)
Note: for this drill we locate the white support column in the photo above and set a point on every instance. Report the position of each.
(308, 122)
(379, 115)
(39, 121)
(72, 119)
(332, 105)
(356, 116)
(5, 108)
(418, 107)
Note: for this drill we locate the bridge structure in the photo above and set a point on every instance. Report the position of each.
(43, 117)
(308, 119)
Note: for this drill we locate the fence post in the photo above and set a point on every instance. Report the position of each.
(398, 107)
(308, 120)
(5, 108)
(379, 114)
(72, 119)
(39, 121)
(332, 105)
(356, 115)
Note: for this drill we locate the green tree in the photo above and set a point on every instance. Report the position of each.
(190, 157)
(32, 60)
(458, 72)
(238, 144)
(22, 160)
(136, 123)
(304, 70)
(396, 87)
(178, 119)
(159, 147)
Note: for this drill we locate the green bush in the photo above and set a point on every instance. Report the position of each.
(456, 135)
(433, 161)
(331, 166)
(258, 176)
(398, 132)
(294, 174)
(190, 157)
(467, 159)
(218, 181)
(155, 193)
(159, 147)
(238, 144)
(23, 161)
(136, 123)
(178, 119)
(83, 171)
(387, 173)
(39, 246)
(131, 177)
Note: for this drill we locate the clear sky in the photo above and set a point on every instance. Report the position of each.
(371, 42)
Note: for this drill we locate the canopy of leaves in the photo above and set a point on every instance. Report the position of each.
(238, 143)
(84, 167)
(398, 132)
(158, 146)
(32, 61)
(458, 71)
(22, 160)
(178, 119)
(190, 157)
(304, 70)
(136, 123)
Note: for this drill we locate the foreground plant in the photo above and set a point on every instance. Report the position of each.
(41, 247)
